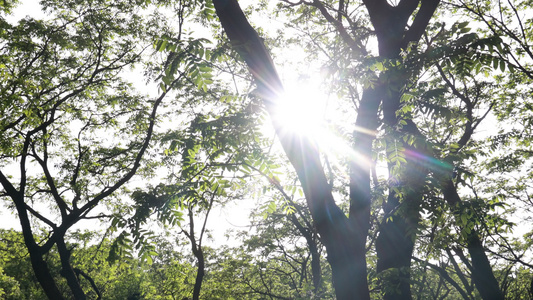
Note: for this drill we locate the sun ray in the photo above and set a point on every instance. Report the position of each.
(303, 112)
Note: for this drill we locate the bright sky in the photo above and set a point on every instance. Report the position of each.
(306, 110)
(32, 8)
(233, 215)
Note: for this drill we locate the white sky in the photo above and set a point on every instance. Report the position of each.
(32, 8)
(233, 215)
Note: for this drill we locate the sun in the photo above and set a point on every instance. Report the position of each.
(301, 110)
(305, 110)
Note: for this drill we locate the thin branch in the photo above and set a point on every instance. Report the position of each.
(442, 272)
(354, 44)
(91, 281)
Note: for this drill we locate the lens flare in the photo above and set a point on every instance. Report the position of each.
(300, 111)
(303, 111)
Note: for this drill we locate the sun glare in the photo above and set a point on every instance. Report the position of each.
(301, 111)
(304, 110)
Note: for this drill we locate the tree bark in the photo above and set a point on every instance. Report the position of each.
(200, 273)
(360, 190)
(395, 242)
(40, 268)
(67, 271)
(482, 273)
(346, 254)
(42, 272)
(398, 230)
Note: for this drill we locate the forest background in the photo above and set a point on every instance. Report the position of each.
(382, 149)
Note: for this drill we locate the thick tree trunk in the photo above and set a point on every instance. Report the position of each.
(342, 239)
(42, 273)
(398, 230)
(482, 274)
(67, 272)
(40, 268)
(360, 190)
(395, 242)
(345, 252)
(394, 247)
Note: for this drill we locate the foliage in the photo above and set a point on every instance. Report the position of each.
(73, 129)
(438, 175)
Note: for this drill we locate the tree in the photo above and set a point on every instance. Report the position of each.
(64, 105)
(421, 160)
(436, 225)
(287, 247)
(168, 277)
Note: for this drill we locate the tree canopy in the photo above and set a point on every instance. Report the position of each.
(402, 169)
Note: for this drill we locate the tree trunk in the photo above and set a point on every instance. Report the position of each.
(42, 272)
(67, 272)
(395, 242)
(344, 238)
(360, 190)
(316, 268)
(346, 254)
(394, 247)
(200, 273)
(198, 252)
(482, 274)
(40, 268)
